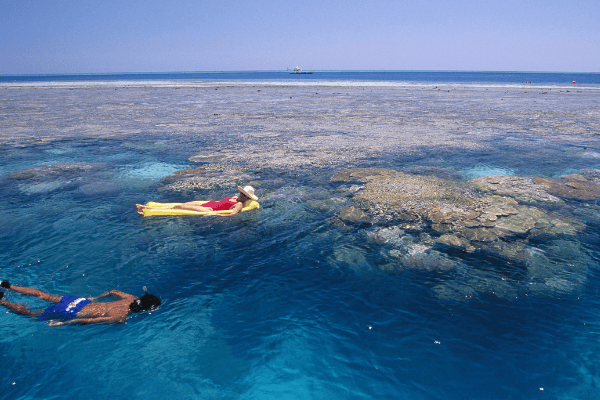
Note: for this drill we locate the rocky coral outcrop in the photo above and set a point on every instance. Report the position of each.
(583, 186)
(523, 189)
(458, 211)
(354, 215)
(192, 179)
(576, 186)
(494, 216)
(388, 192)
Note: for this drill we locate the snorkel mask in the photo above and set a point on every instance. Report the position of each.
(146, 302)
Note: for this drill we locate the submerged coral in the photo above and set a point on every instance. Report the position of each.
(576, 186)
(48, 178)
(49, 171)
(467, 218)
(583, 186)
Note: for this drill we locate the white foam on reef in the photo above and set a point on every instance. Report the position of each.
(191, 83)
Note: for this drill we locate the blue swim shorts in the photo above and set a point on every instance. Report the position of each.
(66, 309)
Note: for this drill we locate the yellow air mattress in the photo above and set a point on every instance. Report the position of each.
(153, 208)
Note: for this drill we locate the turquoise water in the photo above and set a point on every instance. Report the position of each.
(278, 303)
(368, 76)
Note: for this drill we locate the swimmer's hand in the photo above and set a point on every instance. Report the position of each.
(56, 323)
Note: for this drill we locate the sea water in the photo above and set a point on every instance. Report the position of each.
(506, 77)
(280, 302)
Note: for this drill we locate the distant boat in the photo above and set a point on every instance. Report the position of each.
(297, 70)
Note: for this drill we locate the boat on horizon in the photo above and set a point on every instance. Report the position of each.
(297, 70)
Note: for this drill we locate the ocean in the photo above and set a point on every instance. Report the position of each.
(421, 235)
(319, 76)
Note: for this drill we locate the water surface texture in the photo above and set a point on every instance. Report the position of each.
(424, 240)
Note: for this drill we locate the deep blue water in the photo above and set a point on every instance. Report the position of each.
(277, 303)
(402, 76)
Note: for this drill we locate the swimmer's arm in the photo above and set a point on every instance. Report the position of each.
(236, 209)
(86, 321)
(116, 293)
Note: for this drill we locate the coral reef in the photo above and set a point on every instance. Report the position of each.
(469, 219)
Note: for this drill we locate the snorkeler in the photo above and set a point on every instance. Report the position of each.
(227, 207)
(79, 310)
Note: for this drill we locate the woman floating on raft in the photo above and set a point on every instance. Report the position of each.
(227, 207)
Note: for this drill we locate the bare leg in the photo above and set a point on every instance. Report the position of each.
(190, 205)
(37, 293)
(193, 206)
(140, 209)
(19, 309)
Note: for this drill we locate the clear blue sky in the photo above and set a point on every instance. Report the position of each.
(42, 36)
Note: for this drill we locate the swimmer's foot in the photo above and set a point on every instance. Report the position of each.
(140, 209)
(5, 284)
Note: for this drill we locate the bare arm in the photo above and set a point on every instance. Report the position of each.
(115, 293)
(105, 294)
(36, 293)
(236, 209)
(86, 321)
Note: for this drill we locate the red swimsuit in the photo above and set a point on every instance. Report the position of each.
(224, 204)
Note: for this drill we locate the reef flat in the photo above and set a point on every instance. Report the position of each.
(297, 126)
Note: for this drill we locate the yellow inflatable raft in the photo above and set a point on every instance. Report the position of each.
(152, 208)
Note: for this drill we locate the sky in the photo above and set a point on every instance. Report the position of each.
(43, 37)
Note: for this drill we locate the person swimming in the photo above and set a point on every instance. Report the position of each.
(233, 204)
(79, 310)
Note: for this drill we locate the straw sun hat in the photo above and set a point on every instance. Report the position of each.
(248, 191)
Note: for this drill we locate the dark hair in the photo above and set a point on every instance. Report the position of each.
(146, 302)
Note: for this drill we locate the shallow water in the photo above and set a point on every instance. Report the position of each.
(281, 302)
